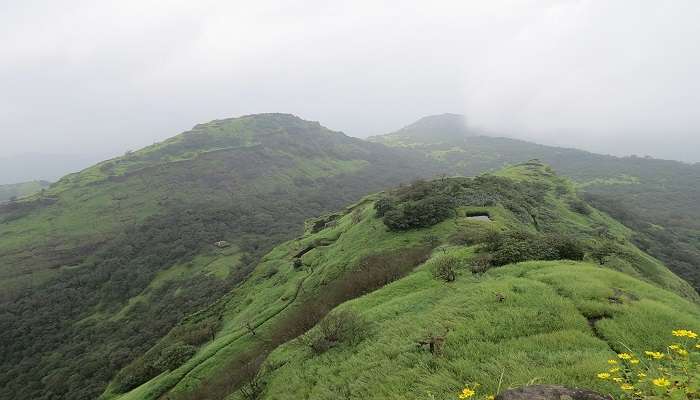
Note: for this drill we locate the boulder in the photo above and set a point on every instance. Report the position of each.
(551, 392)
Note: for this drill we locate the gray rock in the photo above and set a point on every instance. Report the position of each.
(551, 392)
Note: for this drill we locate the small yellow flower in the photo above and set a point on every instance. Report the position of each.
(603, 375)
(697, 346)
(641, 375)
(466, 393)
(682, 352)
(612, 362)
(661, 382)
(624, 356)
(618, 380)
(634, 361)
(674, 347)
(654, 354)
(490, 397)
(613, 370)
(626, 386)
(684, 333)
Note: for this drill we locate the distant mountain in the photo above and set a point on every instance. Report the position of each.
(435, 128)
(17, 190)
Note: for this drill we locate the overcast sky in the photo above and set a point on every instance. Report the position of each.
(98, 77)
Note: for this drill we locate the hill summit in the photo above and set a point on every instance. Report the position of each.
(433, 128)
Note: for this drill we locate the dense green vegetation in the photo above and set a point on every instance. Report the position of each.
(17, 190)
(99, 266)
(657, 198)
(374, 312)
(111, 274)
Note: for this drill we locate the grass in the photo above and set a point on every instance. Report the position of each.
(539, 333)
(556, 321)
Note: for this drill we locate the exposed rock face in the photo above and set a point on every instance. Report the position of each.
(551, 392)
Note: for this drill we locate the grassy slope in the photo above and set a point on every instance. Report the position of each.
(540, 331)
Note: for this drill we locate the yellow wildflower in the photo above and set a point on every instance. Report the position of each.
(684, 333)
(613, 370)
(682, 352)
(634, 361)
(603, 375)
(612, 362)
(674, 347)
(654, 354)
(661, 382)
(641, 374)
(467, 393)
(618, 380)
(624, 356)
(626, 386)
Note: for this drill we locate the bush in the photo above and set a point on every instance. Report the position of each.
(514, 247)
(420, 214)
(480, 263)
(344, 326)
(445, 267)
(382, 206)
(174, 356)
(469, 237)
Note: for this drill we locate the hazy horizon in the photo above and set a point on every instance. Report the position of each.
(99, 79)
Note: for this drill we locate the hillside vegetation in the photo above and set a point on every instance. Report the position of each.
(371, 302)
(96, 268)
(656, 198)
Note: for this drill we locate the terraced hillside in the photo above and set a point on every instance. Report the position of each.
(406, 295)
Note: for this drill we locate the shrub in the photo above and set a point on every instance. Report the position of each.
(445, 267)
(420, 214)
(480, 263)
(600, 251)
(382, 206)
(174, 356)
(469, 237)
(513, 247)
(345, 326)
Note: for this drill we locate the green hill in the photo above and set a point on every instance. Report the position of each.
(656, 198)
(100, 268)
(97, 267)
(401, 267)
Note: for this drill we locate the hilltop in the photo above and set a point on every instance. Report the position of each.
(513, 272)
(442, 128)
